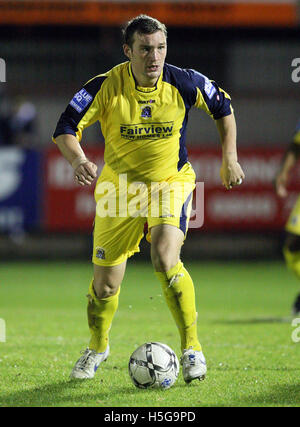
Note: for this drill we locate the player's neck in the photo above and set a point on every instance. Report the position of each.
(142, 81)
(146, 83)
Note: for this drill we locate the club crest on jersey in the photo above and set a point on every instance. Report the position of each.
(146, 112)
(100, 253)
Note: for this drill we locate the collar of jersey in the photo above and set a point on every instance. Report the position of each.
(143, 90)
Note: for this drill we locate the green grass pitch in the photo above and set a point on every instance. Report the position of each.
(244, 327)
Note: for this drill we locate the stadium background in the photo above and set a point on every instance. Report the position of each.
(51, 48)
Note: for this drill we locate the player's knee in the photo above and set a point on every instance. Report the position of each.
(104, 289)
(164, 257)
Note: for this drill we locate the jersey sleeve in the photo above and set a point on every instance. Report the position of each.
(85, 108)
(210, 97)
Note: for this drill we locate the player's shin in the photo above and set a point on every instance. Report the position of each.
(100, 315)
(179, 293)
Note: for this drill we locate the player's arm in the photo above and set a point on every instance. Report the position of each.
(85, 171)
(83, 110)
(217, 104)
(231, 171)
(289, 160)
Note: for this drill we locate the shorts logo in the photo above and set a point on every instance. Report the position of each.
(81, 100)
(100, 253)
(146, 113)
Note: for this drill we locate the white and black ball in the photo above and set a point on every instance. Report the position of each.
(153, 365)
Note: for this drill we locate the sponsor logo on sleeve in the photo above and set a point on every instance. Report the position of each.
(81, 100)
(209, 88)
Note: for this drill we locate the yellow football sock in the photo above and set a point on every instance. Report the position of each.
(179, 292)
(100, 316)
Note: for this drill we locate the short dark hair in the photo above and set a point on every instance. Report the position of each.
(143, 24)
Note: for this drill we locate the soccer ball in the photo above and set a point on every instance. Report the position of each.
(153, 365)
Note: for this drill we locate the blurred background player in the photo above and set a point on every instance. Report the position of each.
(291, 248)
(18, 121)
(142, 106)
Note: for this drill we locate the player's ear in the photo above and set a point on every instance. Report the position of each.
(127, 50)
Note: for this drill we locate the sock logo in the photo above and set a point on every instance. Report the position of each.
(175, 279)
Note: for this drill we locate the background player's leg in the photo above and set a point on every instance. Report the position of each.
(176, 282)
(103, 302)
(291, 253)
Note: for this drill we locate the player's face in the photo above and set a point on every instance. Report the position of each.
(147, 56)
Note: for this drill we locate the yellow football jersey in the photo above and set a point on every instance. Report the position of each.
(144, 128)
(293, 222)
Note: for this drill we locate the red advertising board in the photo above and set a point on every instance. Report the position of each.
(253, 206)
(67, 206)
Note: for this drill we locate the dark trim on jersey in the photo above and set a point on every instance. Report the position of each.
(70, 118)
(183, 215)
(183, 154)
(218, 104)
(179, 78)
(186, 82)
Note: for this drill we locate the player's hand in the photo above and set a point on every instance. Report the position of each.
(281, 184)
(231, 173)
(85, 173)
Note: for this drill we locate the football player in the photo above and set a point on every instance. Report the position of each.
(142, 106)
(291, 249)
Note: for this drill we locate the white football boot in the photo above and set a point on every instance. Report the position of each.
(89, 362)
(193, 365)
